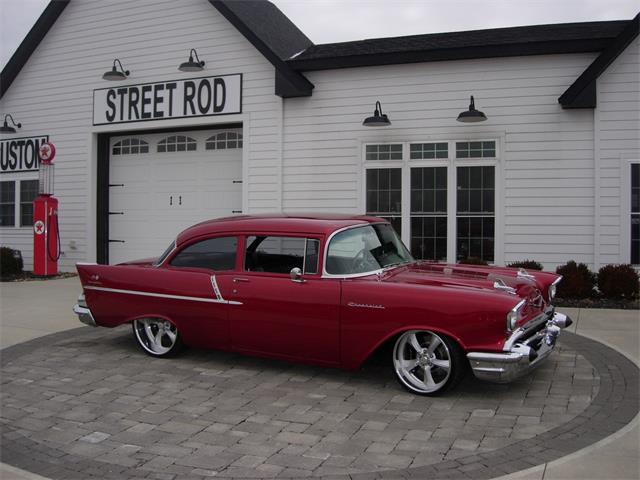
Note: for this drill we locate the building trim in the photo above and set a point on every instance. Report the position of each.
(490, 43)
(582, 92)
(30, 43)
(289, 83)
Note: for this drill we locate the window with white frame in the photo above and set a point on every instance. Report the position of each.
(438, 222)
(7, 204)
(130, 146)
(384, 195)
(28, 193)
(635, 213)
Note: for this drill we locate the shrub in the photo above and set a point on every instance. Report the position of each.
(527, 265)
(577, 282)
(473, 261)
(10, 262)
(618, 281)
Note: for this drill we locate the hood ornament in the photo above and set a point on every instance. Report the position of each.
(522, 273)
(500, 285)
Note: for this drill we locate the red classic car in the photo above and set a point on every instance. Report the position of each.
(327, 290)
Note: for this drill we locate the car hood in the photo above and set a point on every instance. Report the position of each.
(501, 281)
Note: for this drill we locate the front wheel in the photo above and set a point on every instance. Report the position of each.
(157, 337)
(427, 363)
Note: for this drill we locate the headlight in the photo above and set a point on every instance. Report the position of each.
(552, 292)
(513, 316)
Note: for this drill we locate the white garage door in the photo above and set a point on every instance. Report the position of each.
(159, 184)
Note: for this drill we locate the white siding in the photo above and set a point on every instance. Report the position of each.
(53, 95)
(547, 153)
(618, 142)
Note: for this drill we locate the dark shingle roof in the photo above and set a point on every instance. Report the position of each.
(582, 92)
(271, 26)
(498, 42)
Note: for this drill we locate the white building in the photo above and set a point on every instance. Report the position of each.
(273, 122)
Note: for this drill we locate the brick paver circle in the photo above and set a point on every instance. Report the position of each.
(87, 404)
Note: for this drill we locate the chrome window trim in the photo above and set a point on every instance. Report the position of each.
(326, 274)
(161, 260)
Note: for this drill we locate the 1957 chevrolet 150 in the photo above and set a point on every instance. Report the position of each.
(328, 290)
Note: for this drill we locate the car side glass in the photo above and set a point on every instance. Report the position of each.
(218, 254)
(311, 256)
(274, 254)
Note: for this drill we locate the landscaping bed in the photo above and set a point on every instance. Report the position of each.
(29, 276)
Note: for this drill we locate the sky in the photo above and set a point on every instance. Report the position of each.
(326, 21)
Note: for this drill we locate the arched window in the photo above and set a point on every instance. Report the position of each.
(130, 146)
(224, 140)
(177, 143)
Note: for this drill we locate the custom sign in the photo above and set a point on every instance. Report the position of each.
(20, 154)
(47, 152)
(194, 97)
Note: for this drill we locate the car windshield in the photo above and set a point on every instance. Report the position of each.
(164, 255)
(365, 249)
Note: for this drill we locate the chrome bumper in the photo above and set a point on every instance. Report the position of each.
(524, 350)
(84, 315)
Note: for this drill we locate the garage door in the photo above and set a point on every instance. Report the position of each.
(159, 184)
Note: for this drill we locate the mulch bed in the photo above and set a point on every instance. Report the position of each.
(617, 303)
(29, 276)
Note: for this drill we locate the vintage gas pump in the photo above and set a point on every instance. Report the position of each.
(46, 236)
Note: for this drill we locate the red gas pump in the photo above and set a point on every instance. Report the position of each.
(46, 236)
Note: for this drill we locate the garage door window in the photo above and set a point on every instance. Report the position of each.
(177, 143)
(224, 140)
(130, 146)
(217, 254)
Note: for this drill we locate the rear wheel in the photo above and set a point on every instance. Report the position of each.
(157, 337)
(427, 363)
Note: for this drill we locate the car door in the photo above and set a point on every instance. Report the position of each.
(205, 265)
(282, 317)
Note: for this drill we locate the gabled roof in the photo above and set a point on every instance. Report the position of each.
(498, 42)
(260, 21)
(582, 93)
(30, 42)
(272, 34)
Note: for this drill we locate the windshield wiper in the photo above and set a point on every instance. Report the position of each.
(395, 264)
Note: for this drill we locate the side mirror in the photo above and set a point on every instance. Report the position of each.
(296, 275)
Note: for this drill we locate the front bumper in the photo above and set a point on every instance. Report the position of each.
(524, 350)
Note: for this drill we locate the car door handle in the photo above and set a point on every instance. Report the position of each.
(240, 280)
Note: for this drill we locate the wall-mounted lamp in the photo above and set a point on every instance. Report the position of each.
(471, 115)
(114, 74)
(378, 119)
(6, 128)
(191, 66)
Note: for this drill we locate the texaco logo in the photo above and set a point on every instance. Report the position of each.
(47, 151)
(38, 227)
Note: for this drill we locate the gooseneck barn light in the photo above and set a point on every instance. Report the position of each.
(378, 119)
(191, 66)
(6, 128)
(471, 115)
(114, 74)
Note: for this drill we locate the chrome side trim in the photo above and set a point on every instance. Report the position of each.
(216, 290)
(162, 295)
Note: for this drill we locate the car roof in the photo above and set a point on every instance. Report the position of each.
(278, 223)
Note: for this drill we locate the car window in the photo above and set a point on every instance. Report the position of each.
(165, 254)
(365, 249)
(214, 253)
(281, 254)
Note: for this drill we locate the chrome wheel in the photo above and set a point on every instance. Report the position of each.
(156, 336)
(422, 361)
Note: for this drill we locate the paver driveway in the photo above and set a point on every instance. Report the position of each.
(87, 403)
